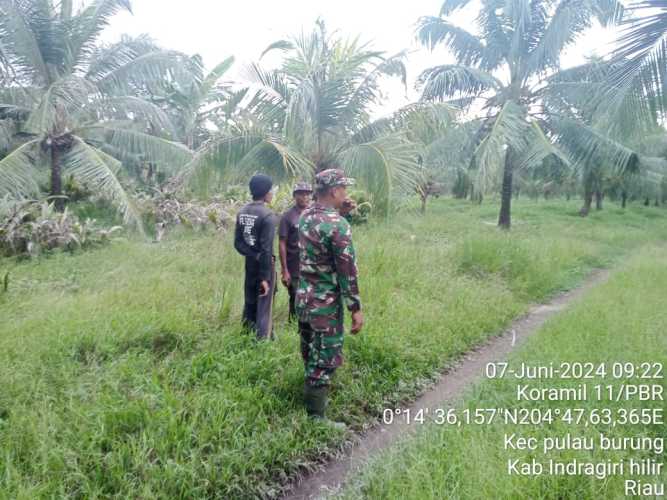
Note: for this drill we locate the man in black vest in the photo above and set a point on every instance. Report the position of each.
(253, 238)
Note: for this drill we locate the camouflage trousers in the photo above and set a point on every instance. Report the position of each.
(322, 352)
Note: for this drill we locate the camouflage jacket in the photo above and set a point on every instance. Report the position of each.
(327, 264)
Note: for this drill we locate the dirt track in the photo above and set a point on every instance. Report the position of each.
(451, 385)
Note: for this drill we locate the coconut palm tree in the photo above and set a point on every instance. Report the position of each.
(576, 93)
(197, 104)
(75, 101)
(314, 112)
(501, 73)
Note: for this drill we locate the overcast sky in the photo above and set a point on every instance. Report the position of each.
(244, 28)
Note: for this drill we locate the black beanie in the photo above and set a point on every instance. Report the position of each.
(260, 184)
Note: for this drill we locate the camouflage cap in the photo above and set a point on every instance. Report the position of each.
(304, 187)
(332, 177)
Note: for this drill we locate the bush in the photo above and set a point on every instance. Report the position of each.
(31, 227)
(166, 211)
(364, 208)
(100, 209)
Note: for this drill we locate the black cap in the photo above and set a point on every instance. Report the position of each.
(260, 184)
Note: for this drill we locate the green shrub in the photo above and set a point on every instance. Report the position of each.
(29, 228)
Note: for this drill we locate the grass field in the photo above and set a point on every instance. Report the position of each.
(124, 373)
(624, 320)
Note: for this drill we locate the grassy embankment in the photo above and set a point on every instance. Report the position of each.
(124, 373)
(624, 321)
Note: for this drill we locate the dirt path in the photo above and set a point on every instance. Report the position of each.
(450, 387)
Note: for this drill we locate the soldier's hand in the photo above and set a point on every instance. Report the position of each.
(348, 206)
(264, 288)
(357, 322)
(286, 278)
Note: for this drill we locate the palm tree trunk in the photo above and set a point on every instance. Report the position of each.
(588, 201)
(588, 195)
(56, 178)
(504, 219)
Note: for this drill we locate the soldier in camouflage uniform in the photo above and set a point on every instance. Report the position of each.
(328, 282)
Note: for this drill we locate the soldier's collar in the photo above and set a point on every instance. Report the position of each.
(320, 206)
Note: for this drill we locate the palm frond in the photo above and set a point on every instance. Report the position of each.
(583, 92)
(18, 99)
(366, 91)
(5, 65)
(428, 117)
(18, 175)
(450, 6)
(391, 66)
(22, 46)
(95, 169)
(283, 45)
(89, 24)
(642, 57)
(386, 167)
(585, 145)
(66, 9)
(104, 58)
(63, 97)
(275, 158)
(569, 20)
(8, 129)
(454, 80)
(214, 76)
(239, 154)
(432, 31)
(149, 69)
(654, 168)
(539, 148)
(168, 154)
(452, 150)
(272, 94)
(508, 129)
(122, 107)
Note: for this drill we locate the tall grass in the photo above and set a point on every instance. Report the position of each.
(623, 320)
(125, 373)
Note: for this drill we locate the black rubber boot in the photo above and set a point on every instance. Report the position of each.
(316, 399)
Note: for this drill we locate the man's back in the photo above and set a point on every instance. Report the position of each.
(253, 238)
(250, 222)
